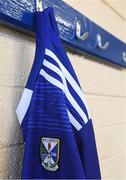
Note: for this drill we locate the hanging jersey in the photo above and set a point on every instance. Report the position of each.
(53, 113)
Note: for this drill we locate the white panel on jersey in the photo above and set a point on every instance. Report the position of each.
(24, 104)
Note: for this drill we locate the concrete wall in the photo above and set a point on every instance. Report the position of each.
(104, 86)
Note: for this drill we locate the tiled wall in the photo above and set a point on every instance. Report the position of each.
(103, 85)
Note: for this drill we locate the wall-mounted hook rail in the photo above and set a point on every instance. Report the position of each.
(88, 36)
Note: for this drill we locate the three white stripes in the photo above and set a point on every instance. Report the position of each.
(69, 78)
(64, 87)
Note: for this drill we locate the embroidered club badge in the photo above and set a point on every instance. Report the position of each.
(49, 153)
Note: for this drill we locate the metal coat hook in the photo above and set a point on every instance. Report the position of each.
(78, 32)
(39, 6)
(100, 45)
(124, 57)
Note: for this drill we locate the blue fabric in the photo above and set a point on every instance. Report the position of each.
(47, 115)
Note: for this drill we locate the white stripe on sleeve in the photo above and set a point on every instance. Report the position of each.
(73, 121)
(52, 80)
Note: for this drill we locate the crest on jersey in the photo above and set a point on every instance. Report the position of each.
(49, 153)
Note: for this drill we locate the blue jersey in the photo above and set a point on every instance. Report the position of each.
(53, 113)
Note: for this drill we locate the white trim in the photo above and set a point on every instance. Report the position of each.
(73, 121)
(69, 78)
(66, 90)
(24, 104)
